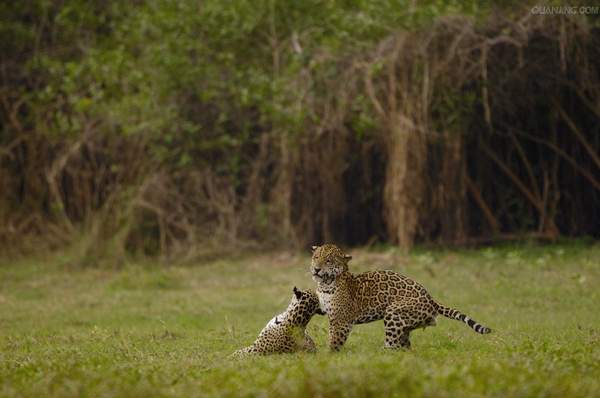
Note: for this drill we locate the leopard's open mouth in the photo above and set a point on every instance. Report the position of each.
(319, 276)
(323, 278)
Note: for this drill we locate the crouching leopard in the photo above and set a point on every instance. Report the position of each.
(286, 332)
(347, 299)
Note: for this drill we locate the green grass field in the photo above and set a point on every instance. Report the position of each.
(149, 331)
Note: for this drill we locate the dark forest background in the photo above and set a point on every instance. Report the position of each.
(172, 129)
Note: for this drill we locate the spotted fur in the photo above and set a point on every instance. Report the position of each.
(403, 304)
(286, 332)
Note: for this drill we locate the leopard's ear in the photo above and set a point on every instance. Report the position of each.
(320, 312)
(347, 257)
(297, 292)
(313, 248)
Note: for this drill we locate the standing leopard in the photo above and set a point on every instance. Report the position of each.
(347, 299)
(286, 332)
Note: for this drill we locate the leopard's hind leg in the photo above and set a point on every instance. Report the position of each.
(244, 352)
(399, 320)
(397, 331)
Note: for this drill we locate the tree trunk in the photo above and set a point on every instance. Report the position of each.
(404, 184)
(453, 190)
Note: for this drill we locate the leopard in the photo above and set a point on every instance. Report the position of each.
(286, 332)
(348, 300)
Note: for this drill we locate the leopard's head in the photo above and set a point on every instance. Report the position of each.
(327, 263)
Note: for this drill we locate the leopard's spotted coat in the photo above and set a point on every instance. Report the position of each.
(286, 332)
(403, 304)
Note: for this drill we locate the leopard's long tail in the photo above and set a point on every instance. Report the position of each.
(459, 316)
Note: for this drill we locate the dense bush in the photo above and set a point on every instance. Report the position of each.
(151, 127)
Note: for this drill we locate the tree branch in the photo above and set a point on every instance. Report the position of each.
(588, 147)
(585, 173)
(487, 212)
(515, 179)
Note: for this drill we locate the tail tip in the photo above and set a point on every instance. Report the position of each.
(482, 329)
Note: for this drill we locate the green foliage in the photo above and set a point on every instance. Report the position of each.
(150, 331)
(193, 91)
(200, 79)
